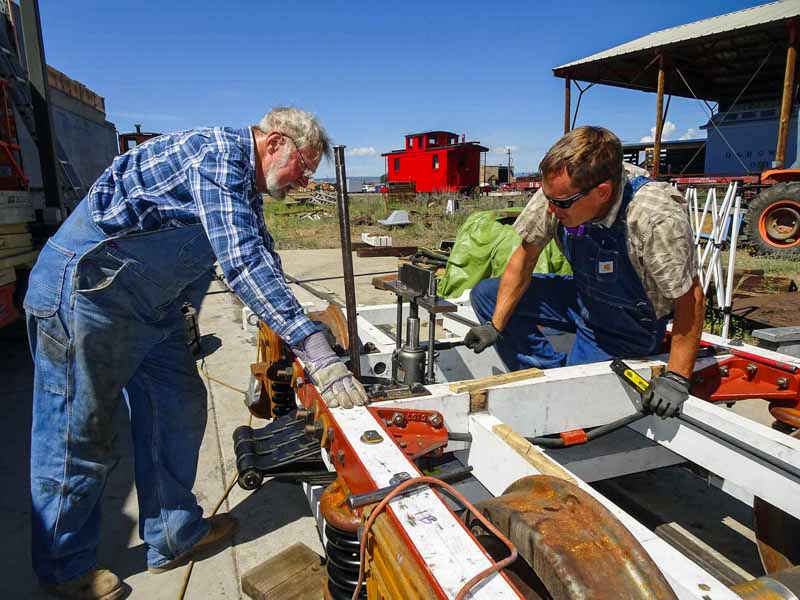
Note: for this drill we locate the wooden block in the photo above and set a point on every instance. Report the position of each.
(294, 574)
(531, 453)
(493, 380)
(477, 401)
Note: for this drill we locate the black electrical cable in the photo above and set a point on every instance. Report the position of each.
(593, 434)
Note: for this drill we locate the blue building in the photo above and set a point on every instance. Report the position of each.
(751, 131)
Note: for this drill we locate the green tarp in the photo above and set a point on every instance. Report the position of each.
(482, 248)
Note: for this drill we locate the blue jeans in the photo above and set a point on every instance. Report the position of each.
(550, 301)
(101, 320)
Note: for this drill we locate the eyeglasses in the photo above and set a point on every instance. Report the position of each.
(565, 203)
(307, 172)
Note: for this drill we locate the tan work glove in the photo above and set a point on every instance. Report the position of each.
(335, 382)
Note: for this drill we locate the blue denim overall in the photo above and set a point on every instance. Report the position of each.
(104, 315)
(604, 303)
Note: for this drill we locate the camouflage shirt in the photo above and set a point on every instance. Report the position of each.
(660, 242)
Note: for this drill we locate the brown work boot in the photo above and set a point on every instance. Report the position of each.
(100, 584)
(222, 527)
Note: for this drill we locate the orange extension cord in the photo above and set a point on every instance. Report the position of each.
(495, 566)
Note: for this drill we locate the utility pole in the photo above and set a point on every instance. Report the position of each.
(508, 151)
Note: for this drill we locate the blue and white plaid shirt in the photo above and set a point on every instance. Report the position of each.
(204, 176)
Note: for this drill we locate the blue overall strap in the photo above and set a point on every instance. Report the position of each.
(631, 187)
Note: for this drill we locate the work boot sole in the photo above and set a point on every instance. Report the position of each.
(115, 594)
(226, 527)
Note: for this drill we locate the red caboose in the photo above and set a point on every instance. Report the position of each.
(435, 161)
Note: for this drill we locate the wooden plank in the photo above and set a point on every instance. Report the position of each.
(12, 228)
(294, 574)
(14, 251)
(7, 275)
(16, 240)
(19, 260)
(386, 251)
(493, 380)
(379, 282)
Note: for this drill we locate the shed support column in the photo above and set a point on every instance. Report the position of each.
(567, 104)
(786, 103)
(659, 118)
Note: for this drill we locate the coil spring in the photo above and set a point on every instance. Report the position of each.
(282, 399)
(343, 563)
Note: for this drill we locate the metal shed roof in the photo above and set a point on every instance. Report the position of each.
(717, 56)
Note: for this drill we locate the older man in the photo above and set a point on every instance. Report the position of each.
(629, 243)
(103, 308)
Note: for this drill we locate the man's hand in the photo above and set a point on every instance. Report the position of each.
(336, 384)
(666, 395)
(481, 337)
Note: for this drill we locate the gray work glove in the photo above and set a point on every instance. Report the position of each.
(481, 337)
(335, 382)
(666, 394)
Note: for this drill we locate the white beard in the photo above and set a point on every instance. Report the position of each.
(273, 189)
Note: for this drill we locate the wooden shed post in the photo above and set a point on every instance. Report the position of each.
(659, 118)
(567, 103)
(786, 102)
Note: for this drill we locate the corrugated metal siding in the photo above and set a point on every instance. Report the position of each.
(749, 17)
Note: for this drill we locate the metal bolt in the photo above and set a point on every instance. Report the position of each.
(435, 420)
(340, 456)
(751, 369)
(724, 371)
(783, 383)
(398, 419)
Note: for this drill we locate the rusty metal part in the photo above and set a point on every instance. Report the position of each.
(785, 414)
(274, 370)
(777, 535)
(783, 585)
(341, 548)
(520, 573)
(575, 546)
(334, 509)
(334, 319)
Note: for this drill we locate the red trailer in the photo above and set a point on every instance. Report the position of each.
(435, 161)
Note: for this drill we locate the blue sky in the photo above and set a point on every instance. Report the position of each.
(372, 71)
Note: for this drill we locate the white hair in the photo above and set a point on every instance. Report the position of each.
(303, 127)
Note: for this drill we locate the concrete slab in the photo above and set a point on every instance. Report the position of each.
(305, 264)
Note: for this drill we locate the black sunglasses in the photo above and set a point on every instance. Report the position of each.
(568, 201)
(307, 171)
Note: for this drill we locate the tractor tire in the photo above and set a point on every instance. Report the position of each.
(773, 221)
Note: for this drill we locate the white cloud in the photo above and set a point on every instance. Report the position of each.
(666, 133)
(504, 149)
(362, 151)
(669, 129)
(691, 134)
